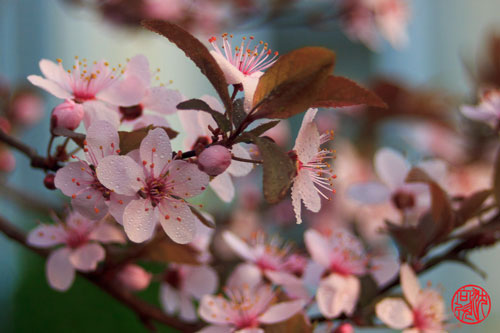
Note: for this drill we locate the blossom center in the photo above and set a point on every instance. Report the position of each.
(156, 190)
(131, 112)
(76, 238)
(403, 200)
(173, 278)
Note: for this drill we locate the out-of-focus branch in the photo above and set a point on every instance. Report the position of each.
(147, 313)
(37, 161)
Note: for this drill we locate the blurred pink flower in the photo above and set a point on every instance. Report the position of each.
(166, 10)
(280, 133)
(7, 160)
(184, 283)
(196, 124)
(488, 109)
(245, 66)
(422, 310)
(81, 251)
(162, 185)
(27, 109)
(313, 172)
(134, 277)
(245, 310)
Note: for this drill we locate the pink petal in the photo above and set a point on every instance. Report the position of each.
(214, 310)
(108, 233)
(139, 66)
(281, 312)
(117, 204)
(409, 284)
(169, 298)
(223, 186)
(313, 273)
(102, 140)
(127, 92)
(249, 86)
(244, 276)
(98, 111)
(177, 221)
(369, 193)
(200, 281)
(213, 103)
(231, 73)
(86, 257)
(139, 220)
(50, 86)
(156, 150)
(91, 204)
(391, 167)
(191, 126)
(56, 73)
(120, 174)
(46, 235)
(477, 113)
(251, 330)
(394, 312)
(293, 286)
(308, 139)
(150, 119)
(240, 247)
(337, 294)
(60, 272)
(71, 179)
(303, 189)
(216, 329)
(240, 169)
(189, 180)
(187, 311)
(162, 100)
(318, 247)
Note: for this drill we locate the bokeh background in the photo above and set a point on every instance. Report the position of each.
(441, 34)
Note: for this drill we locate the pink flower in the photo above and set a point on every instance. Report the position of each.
(488, 109)
(79, 181)
(27, 109)
(196, 125)
(313, 172)
(7, 160)
(67, 115)
(134, 277)
(214, 160)
(156, 101)
(171, 11)
(245, 310)
(81, 250)
(157, 189)
(245, 66)
(422, 310)
(184, 283)
(392, 169)
(342, 255)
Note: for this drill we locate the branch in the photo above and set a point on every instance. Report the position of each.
(37, 161)
(146, 312)
(246, 160)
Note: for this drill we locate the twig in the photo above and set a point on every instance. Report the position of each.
(246, 160)
(146, 312)
(37, 161)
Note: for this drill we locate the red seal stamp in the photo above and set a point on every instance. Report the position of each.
(471, 304)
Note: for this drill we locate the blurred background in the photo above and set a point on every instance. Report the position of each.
(443, 35)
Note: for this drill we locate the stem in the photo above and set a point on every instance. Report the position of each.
(146, 312)
(37, 161)
(246, 160)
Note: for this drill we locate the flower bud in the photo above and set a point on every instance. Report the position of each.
(134, 277)
(214, 160)
(7, 161)
(67, 114)
(344, 328)
(48, 181)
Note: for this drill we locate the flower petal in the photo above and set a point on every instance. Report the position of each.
(370, 193)
(120, 174)
(178, 221)
(107, 233)
(293, 286)
(54, 72)
(86, 257)
(245, 275)
(126, 92)
(223, 186)
(50, 86)
(139, 220)
(46, 235)
(308, 139)
(187, 311)
(318, 247)
(308, 193)
(249, 86)
(60, 272)
(169, 298)
(200, 281)
(281, 311)
(189, 180)
(394, 312)
(117, 204)
(231, 73)
(214, 310)
(162, 100)
(240, 169)
(409, 284)
(138, 66)
(156, 150)
(239, 246)
(102, 140)
(391, 167)
(90, 203)
(216, 329)
(337, 294)
(150, 119)
(98, 111)
(73, 178)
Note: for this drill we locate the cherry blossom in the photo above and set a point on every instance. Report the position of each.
(79, 181)
(198, 135)
(184, 283)
(67, 115)
(81, 249)
(422, 310)
(246, 65)
(27, 109)
(134, 277)
(314, 174)
(488, 109)
(245, 310)
(392, 169)
(157, 188)
(342, 255)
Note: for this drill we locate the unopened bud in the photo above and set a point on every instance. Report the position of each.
(214, 160)
(48, 181)
(67, 114)
(134, 277)
(344, 328)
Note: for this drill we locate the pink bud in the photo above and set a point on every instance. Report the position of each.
(344, 328)
(48, 181)
(7, 161)
(134, 277)
(27, 109)
(214, 160)
(67, 114)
